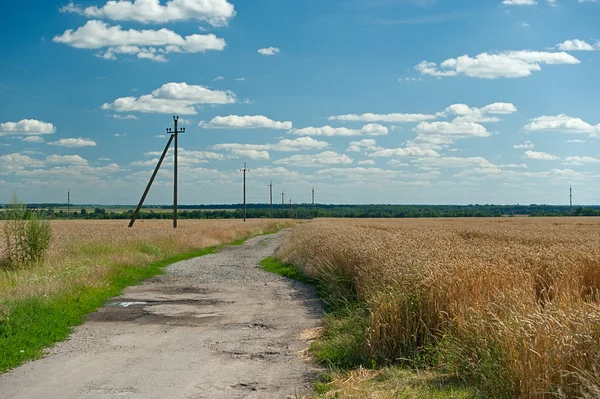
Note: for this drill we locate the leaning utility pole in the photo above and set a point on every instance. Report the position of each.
(244, 170)
(313, 203)
(160, 161)
(571, 201)
(271, 194)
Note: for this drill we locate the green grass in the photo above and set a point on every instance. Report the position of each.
(34, 324)
(276, 266)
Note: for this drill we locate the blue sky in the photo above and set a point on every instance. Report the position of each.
(368, 101)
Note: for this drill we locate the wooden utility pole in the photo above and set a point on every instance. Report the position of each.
(291, 210)
(68, 204)
(245, 170)
(313, 203)
(173, 134)
(282, 204)
(271, 196)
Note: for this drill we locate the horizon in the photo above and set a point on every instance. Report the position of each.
(418, 102)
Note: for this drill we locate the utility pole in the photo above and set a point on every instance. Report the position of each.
(313, 203)
(271, 195)
(291, 210)
(282, 204)
(173, 134)
(571, 201)
(68, 204)
(244, 170)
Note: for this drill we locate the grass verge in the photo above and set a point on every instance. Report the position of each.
(33, 324)
(276, 266)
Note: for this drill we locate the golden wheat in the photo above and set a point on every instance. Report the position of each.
(512, 302)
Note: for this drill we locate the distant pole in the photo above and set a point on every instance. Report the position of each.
(313, 203)
(68, 204)
(282, 203)
(244, 170)
(571, 201)
(291, 210)
(271, 196)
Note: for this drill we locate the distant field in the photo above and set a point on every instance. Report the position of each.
(510, 305)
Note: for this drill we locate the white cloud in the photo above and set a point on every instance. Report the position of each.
(436, 135)
(74, 143)
(527, 145)
(562, 123)
(214, 12)
(581, 160)
(405, 152)
(33, 139)
(455, 162)
(146, 44)
(301, 143)
(366, 162)
(117, 116)
(575, 45)
(27, 127)
(177, 98)
(324, 158)
(240, 79)
(269, 51)
(508, 64)
(519, 2)
(540, 156)
(245, 122)
(16, 161)
(464, 113)
(393, 118)
(367, 130)
(576, 141)
(396, 163)
(250, 154)
(365, 144)
(66, 159)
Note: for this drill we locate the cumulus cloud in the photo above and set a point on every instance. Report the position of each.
(74, 143)
(526, 145)
(436, 135)
(245, 122)
(214, 12)
(15, 162)
(365, 144)
(66, 159)
(465, 113)
(519, 2)
(125, 117)
(366, 162)
(145, 44)
(562, 123)
(269, 51)
(508, 64)
(577, 160)
(250, 154)
(287, 145)
(576, 45)
(393, 118)
(33, 139)
(324, 158)
(27, 127)
(177, 98)
(543, 156)
(367, 130)
(405, 152)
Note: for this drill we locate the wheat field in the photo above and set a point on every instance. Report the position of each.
(511, 304)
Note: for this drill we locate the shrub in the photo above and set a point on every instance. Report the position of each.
(27, 235)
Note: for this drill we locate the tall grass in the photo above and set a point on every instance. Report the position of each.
(510, 304)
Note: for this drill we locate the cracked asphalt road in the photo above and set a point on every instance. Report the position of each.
(216, 326)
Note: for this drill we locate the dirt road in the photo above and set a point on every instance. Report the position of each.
(212, 327)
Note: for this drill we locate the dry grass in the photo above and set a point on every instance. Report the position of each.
(511, 303)
(84, 252)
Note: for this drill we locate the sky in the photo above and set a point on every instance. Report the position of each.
(367, 101)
